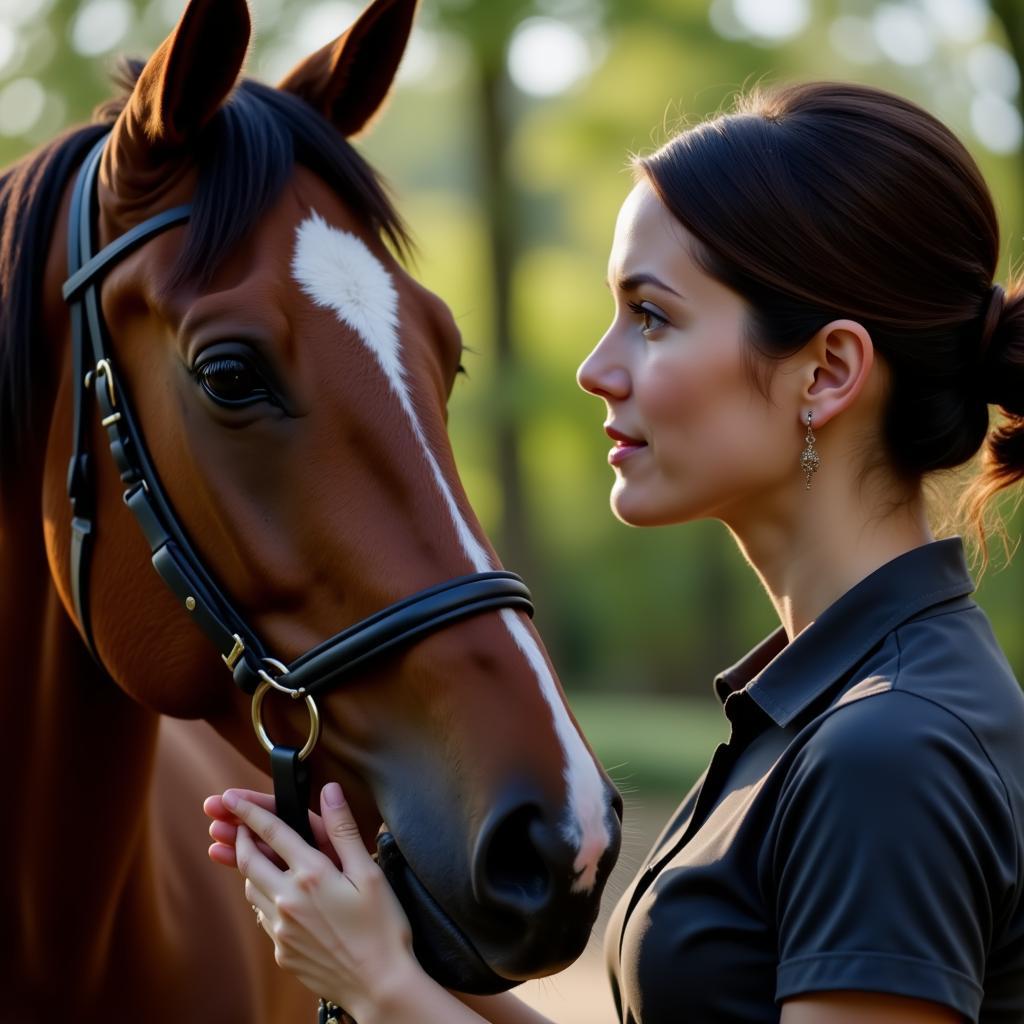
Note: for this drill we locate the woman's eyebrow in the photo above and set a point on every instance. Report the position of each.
(634, 281)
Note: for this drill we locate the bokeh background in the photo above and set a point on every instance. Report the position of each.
(506, 143)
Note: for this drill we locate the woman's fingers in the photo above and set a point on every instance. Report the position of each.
(327, 925)
(344, 833)
(224, 834)
(260, 902)
(214, 807)
(253, 864)
(221, 854)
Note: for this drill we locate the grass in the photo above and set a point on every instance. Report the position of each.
(651, 744)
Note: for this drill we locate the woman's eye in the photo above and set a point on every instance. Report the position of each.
(649, 319)
(229, 380)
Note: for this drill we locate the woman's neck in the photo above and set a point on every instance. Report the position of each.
(815, 545)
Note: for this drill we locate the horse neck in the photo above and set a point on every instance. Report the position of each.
(76, 756)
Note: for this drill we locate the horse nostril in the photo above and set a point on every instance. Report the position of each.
(616, 801)
(515, 862)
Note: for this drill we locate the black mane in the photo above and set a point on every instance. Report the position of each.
(244, 157)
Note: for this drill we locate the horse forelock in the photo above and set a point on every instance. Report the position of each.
(245, 157)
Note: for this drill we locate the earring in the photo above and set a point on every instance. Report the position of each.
(810, 461)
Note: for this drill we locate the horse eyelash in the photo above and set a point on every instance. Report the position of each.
(462, 368)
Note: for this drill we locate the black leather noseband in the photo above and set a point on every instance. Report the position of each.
(173, 556)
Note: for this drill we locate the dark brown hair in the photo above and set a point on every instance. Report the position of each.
(825, 200)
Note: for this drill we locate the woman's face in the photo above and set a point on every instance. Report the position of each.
(694, 437)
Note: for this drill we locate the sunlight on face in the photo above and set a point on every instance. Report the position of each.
(694, 437)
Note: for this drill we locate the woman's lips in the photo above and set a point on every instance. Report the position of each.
(625, 446)
(623, 451)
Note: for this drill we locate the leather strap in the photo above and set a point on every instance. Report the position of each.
(400, 624)
(80, 483)
(170, 550)
(91, 271)
(291, 790)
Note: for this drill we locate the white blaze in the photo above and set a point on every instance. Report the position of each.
(336, 270)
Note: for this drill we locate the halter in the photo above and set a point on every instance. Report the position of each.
(311, 674)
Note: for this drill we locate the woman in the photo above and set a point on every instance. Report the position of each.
(805, 330)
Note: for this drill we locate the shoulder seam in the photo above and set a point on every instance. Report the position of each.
(981, 746)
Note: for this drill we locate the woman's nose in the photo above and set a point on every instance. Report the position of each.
(599, 374)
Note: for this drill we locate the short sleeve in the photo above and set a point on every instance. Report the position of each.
(892, 848)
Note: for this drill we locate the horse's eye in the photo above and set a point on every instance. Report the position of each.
(229, 380)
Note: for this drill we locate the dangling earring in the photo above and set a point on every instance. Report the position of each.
(810, 461)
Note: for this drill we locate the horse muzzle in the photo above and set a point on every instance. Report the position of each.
(441, 947)
(519, 916)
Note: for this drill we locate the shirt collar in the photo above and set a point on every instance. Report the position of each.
(783, 678)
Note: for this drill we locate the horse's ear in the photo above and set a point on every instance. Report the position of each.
(180, 88)
(348, 80)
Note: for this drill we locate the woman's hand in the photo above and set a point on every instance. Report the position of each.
(341, 932)
(224, 829)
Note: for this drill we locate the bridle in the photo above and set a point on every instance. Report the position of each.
(311, 674)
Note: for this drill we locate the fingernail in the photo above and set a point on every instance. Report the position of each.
(231, 799)
(333, 797)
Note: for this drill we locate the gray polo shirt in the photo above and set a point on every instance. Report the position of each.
(862, 828)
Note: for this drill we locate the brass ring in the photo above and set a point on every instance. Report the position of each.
(261, 732)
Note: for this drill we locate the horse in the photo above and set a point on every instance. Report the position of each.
(272, 387)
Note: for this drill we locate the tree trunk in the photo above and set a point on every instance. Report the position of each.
(1011, 14)
(499, 201)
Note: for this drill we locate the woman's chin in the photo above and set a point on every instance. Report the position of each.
(624, 506)
(632, 511)
(635, 508)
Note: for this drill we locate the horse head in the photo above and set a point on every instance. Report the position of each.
(290, 381)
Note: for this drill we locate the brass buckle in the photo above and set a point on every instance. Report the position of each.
(268, 683)
(236, 652)
(103, 369)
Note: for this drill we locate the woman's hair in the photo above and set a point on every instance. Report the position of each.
(825, 200)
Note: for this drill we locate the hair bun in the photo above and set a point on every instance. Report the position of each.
(1000, 358)
(990, 319)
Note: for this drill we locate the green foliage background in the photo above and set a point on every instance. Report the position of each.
(623, 611)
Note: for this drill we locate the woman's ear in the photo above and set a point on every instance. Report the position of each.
(836, 366)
